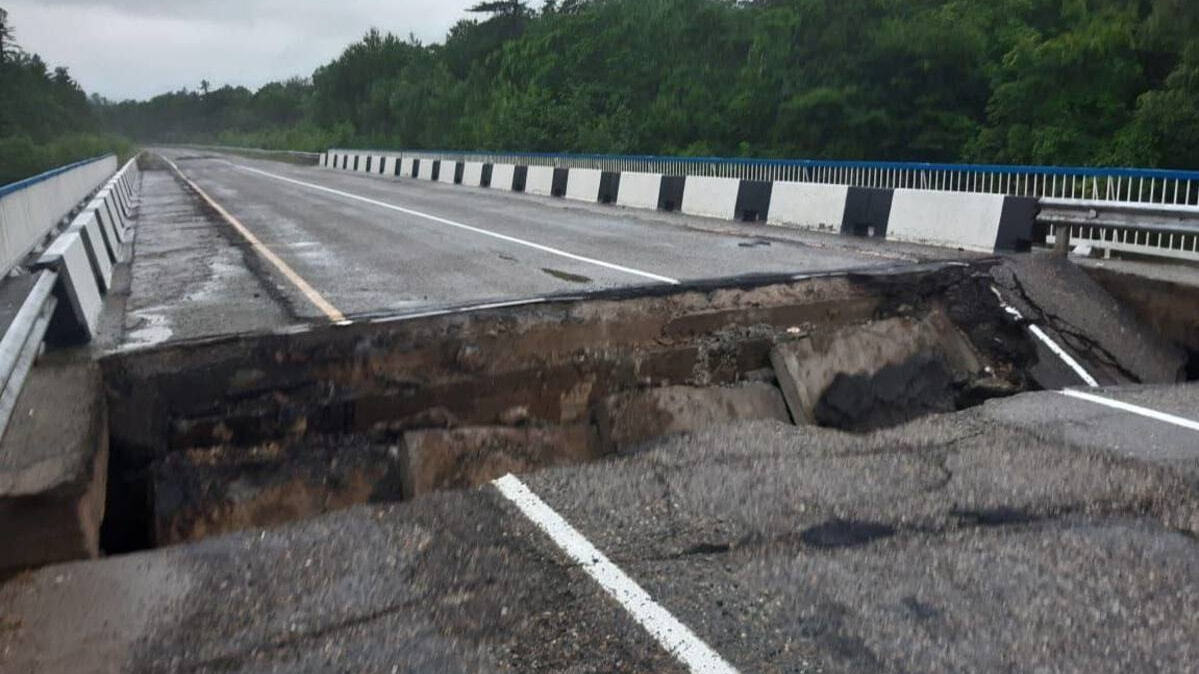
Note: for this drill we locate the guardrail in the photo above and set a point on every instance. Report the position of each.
(1064, 186)
(29, 209)
(61, 297)
(1112, 184)
(1160, 230)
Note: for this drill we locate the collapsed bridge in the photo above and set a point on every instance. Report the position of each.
(303, 397)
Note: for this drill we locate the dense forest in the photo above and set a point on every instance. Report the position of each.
(1094, 82)
(46, 119)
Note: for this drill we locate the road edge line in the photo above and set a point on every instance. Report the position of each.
(332, 312)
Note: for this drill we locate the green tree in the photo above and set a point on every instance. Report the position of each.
(1060, 97)
(1025, 81)
(6, 36)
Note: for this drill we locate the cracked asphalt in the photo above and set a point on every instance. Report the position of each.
(1035, 533)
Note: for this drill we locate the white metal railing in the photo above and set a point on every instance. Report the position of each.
(29, 209)
(1159, 230)
(1133, 188)
(1111, 184)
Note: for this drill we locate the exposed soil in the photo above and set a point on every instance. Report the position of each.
(254, 431)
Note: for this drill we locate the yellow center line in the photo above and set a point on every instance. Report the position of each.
(298, 281)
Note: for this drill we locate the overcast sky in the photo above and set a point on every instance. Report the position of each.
(139, 48)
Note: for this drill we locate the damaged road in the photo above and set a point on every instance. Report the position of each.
(975, 541)
(218, 435)
(869, 466)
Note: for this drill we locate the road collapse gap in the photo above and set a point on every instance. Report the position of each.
(259, 430)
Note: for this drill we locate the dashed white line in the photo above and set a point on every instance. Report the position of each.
(459, 225)
(1133, 409)
(673, 635)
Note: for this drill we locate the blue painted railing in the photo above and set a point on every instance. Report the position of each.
(1162, 186)
(30, 208)
(42, 177)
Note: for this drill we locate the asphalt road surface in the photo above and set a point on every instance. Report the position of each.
(372, 245)
(1047, 532)
(1038, 533)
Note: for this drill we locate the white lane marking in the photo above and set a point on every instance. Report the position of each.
(469, 228)
(1133, 409)
(1061, 353)
(335, 315)
(460, 310)
(1053, 346)
(673, 635)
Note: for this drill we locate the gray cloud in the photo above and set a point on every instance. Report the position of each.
(139, 48)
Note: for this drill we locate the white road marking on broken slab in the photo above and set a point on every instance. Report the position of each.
(1048, 341)
(290, 274)
(673, 635)
(1133, 409)
(469, 228)
(1066, 357)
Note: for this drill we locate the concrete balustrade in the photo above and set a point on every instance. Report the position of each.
(68, 257)
(808, 206)
(967, 220)
(83, 255)
(540, 180)
(978, 222)
(472, 174)
(87, 225)
(711, 197)
(31, 208)
(584, 184)
(502, 176)
(639, 190)
(448, 172)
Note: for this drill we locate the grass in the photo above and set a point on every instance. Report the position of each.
(21, 157)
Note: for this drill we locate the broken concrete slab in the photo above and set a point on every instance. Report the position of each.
(870, 369)
(542, 365)
(437, 459)
(54, 467)
(448, 583)
(627, 420)
(993, 464)
(1105, 334)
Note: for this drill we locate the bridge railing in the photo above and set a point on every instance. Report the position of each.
(1126, 192)
(29, 209)
(1109, 184)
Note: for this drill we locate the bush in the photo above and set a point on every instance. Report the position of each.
(22, 158)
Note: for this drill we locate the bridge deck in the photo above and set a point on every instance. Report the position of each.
(1014, 532)
(341, 234)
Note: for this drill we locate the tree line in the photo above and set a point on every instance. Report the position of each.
(1090, 82)
(46, 119)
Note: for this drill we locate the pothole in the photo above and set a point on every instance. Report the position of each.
(253, 431)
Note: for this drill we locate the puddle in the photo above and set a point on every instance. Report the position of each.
(758, 243)
(566, 276)
(151, 329)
